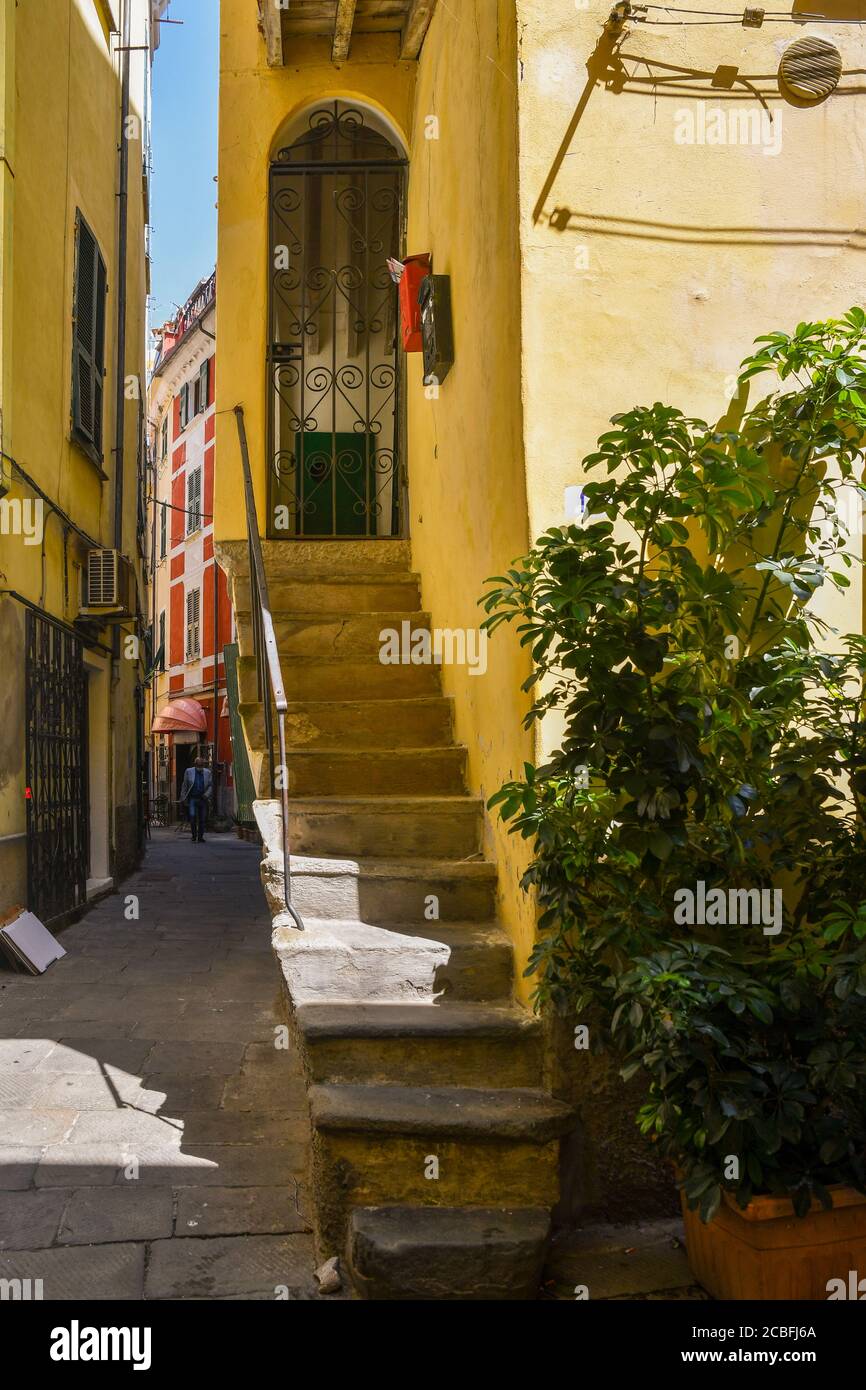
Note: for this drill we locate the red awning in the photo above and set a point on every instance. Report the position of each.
(180, 714)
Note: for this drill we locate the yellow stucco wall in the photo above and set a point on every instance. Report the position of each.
(649, 264)
(467, 484)
(63, 157)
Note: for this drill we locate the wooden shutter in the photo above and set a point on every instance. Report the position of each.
(193, 500)
(88, 366)
(192, 623)
(204, 384)
(163, 531)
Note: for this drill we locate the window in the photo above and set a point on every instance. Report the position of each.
(163, 531)
(88, 337)
(161, 648)
(163, 439)
(193, 610)
(202, 387)
(185, 405)
(333, 453)
(193, 500)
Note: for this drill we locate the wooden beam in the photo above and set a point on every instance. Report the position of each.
(271, 27)
(343, 21)
(415, 27)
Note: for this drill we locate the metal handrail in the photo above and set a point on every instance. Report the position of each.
(268, 671)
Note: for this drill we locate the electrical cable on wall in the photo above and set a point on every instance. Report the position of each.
(749, 18)
(187, 511)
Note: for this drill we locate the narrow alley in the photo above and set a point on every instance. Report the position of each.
(153, 1129)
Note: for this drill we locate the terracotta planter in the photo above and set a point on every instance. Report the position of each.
(766, 1252)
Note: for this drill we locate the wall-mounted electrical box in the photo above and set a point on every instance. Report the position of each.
(437, 330)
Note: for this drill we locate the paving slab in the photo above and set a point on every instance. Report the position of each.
(18, 1165)
(256, 1266)
(36, 1126)
(96, 1215)
(23, 1054)
(30, 1219)
(229, 1211)
(21, 1092)
(95, 1054)
(80, 1272)
(621, 1263)
(196, 1058)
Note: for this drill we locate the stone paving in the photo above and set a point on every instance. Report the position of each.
(153, 1139)
(645, 1262)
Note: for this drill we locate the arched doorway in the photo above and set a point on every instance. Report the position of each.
(336, 212)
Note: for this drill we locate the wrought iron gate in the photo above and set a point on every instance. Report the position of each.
(56, 769)
(336, 208)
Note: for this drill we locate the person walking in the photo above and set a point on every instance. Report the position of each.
(195, 794)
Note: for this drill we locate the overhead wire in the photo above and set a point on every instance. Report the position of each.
(730, 16)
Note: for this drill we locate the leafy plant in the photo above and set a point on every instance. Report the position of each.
(714, 734)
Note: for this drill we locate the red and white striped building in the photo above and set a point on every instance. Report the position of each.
(191, 612)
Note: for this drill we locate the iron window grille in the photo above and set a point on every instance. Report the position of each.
(56, 769)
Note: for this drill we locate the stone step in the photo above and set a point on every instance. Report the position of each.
(405, 723)
(447, 1253)
(322, 680)
(455, 1044)
(441, 1112)
(401, 772)
(383, 891)
(352, 637)
(351, 961)
(341, 594)
(480, 962)
(431, 1147)
(390, 827)
(331, 558)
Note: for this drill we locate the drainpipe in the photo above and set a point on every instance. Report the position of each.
(154, 492)
(216, 675)
(7, 196)
(122, 238)
(119, 400)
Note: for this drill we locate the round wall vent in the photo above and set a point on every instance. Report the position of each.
(811, 68)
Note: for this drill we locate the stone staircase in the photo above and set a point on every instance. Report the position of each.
(435, 1146)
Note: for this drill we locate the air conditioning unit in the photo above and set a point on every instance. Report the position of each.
(108, 586)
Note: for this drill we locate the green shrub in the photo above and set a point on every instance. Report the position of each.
(714, 734)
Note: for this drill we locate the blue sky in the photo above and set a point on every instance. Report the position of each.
(184, 134)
